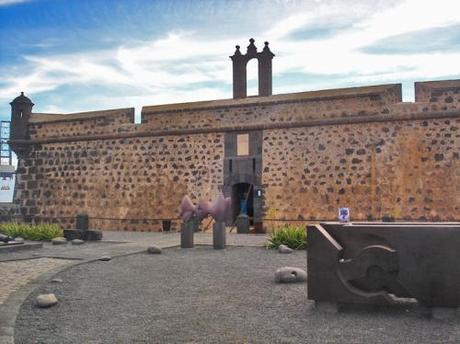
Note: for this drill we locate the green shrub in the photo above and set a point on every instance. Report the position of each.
(292, 236)
(43, 231)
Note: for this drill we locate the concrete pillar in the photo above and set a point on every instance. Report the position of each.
(82, 222)
(218, 235)
(186, 233)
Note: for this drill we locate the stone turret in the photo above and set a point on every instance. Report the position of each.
(21, 108)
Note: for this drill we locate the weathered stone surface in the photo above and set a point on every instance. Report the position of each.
(46, 300)
(77, 242)
(284, 249)
(154, 250)
(19, 239)
(290, 275)
(59, 241)
(105, 258)
(56, 280)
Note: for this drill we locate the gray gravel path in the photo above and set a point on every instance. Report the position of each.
(203, 295)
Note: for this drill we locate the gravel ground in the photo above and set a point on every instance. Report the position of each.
(203, 295)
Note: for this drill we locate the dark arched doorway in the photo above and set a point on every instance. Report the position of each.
(243, 193)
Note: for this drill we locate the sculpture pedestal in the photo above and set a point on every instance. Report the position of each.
(218, 235)
(186, 233)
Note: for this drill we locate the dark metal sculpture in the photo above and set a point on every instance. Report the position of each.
(375, 263)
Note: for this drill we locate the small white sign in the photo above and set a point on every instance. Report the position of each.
(344, 214)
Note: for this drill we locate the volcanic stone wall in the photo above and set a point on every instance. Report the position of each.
(136, 180)
(360, 148)
(403, 169)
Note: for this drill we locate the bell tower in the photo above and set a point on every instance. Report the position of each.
(240, 62)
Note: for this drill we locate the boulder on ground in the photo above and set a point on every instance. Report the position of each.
(154, 250)
(284, 249)
(46, 300)
(59, 241)
(289, 274)
(77, 242)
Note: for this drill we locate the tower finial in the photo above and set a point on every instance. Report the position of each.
(252, 49)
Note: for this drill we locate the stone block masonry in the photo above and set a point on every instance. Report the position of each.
(360, 147)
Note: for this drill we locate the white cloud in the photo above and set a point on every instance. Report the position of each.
(11, 2)
(184, 66)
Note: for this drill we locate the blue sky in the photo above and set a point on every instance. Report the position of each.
(78, 55)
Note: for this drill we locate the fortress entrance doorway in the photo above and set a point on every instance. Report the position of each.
(242, 176)
(243, 201)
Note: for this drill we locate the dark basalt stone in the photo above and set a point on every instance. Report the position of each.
(86, 235)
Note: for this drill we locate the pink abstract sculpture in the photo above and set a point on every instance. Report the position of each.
(219, 209)
(187, 209)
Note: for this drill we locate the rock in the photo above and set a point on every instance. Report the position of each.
(105, 258)
(77, 242)
(59, 241)
(284, 249)
(154, 250)
(46, 300)
(289, 274)
(56, 280)
(19, 239)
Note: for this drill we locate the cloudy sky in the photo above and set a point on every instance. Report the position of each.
(77, 55)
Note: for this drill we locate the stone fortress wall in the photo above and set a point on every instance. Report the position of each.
(357, 147)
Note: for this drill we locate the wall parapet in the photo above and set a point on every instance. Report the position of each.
(377, 92)
(431, 91)
(268, 126)
(63, 125)
(42, 118)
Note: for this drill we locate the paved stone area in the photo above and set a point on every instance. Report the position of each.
(15, 274)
